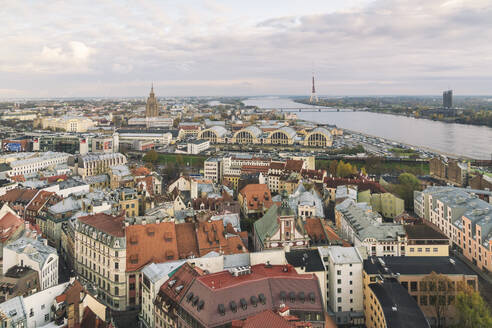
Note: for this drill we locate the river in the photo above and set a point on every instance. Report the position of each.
(450, 138)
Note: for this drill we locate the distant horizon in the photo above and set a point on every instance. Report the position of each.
(243, 96)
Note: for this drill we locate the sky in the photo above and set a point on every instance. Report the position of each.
(111, 48)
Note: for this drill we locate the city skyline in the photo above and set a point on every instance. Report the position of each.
(223, 48)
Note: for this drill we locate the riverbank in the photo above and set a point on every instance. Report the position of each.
(474, 118)
(457, 140)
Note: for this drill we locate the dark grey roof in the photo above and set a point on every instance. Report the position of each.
(423, 231)
(308, 258)
(399, 308)
(5, 167)
(416, 265)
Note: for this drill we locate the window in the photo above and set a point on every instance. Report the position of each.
(427, 250)
(339, 281)
(419, 250)
(350, 272)
(339, 290)
(339, 272)
(435, 249)
(423, 300)
(116, 291)
(47, 317)
(42, 306)
(339, 299)
(116, 277)
(423, 286)
(116, 265)
(413, 286)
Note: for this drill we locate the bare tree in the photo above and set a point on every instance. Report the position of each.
(440, 290)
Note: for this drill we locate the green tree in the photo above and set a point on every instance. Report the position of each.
(151, 156)
(363, 170)
(407, 184)
(472, 310)
(345, 169)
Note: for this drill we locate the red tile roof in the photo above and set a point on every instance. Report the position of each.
(254, 169)
(315, 230)
(9, 224)
(211, 238)
(294, 165)
(263, 319)
(184, 276)
(141, 171)
(19, 195)
(257, 196)
(40, 200)
(224, 279)
(186, 240)
(55, 178)
(152, 242)
(113, 225)
(361, 183)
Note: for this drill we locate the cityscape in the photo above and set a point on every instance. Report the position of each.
(153, 174)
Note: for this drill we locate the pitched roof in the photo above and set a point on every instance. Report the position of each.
(257, 196)
(263, 319)
(40, 200)
(171, 289)
(211, 237)
(294, 165)
(9, 224)
(186, 240)
(152, 242)
(315, 230)
(19, 195)
(113, 225)
(268, 224)
(235, 295)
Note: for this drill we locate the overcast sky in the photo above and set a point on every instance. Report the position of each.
(239, 47)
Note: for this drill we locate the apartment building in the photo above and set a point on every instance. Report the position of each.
(154, 275)
(35, 254)
(462, 217)
(424, 240)
(95, 164)
(387, 304)
(343, 266)
(100, 249)
(67, 123)
(360, 225)
(213, 169)
(37, 162)
(217, 299)
(412, 273)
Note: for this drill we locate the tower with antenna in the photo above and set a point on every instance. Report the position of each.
(314, 97)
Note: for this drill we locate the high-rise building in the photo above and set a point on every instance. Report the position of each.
(151, 109)
(447, 99)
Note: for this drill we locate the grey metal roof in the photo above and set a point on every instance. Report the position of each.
(35, 249)
(462, 200)
(156, 271)
(368, 224)
(13, 309)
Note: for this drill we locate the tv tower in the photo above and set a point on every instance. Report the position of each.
(313, 97)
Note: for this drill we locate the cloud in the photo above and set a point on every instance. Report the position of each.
(400, 46)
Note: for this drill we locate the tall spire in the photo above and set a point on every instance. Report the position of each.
(152, 88)
(314, 97)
